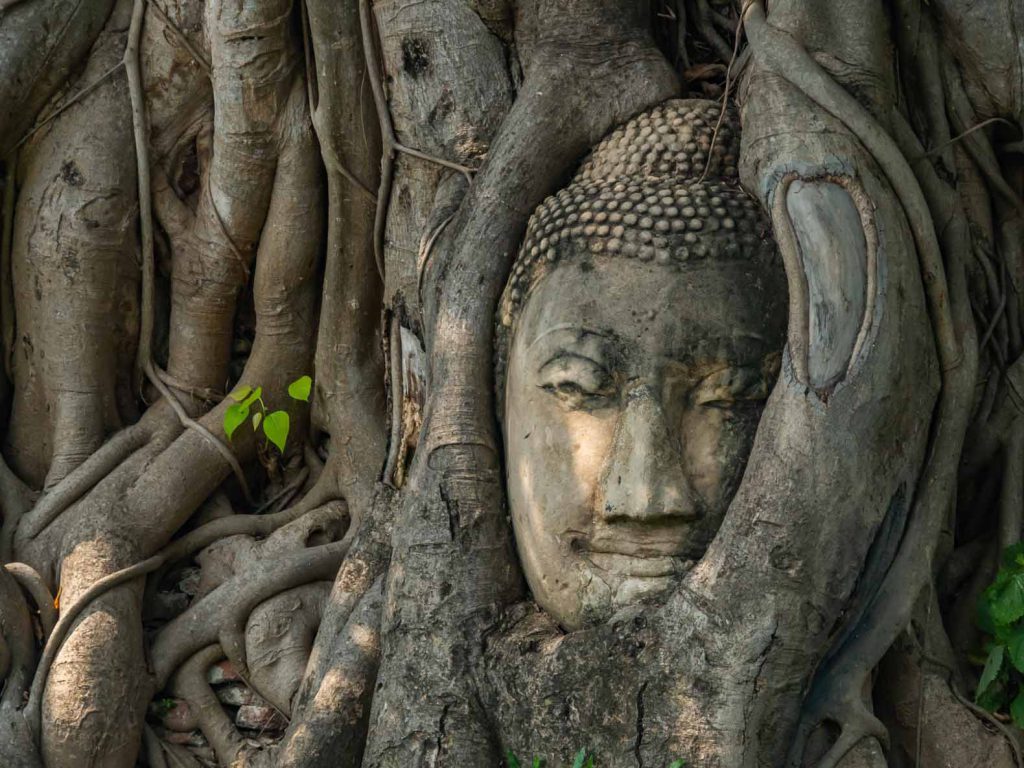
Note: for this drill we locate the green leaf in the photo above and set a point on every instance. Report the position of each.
(1017, 710)
(984, 618)
(1013, 557)
(536, 762)
(581, 757)
(241, 393)
(1008, 605)
(993, 664)
(256, 395)
(512, 760)
(275, 427)
(1015, 648)
(234, 416)
(256, 419)
(300, 388)
(677, 764)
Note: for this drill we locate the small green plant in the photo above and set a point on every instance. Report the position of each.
(275, 424)
(162, 706)
(1001, 617)
(582, 760)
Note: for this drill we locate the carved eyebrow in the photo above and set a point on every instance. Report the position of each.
(564, 354)
(578, 331)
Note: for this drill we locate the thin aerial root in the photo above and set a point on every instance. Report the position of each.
(389, 143)
(394, 356)
(964, 134)
(1011, 501)
(190, 423)
(988, 717)
(28, 579)
(426, 251)
(979, 712)
(70, 102)
(81, 480)
(144, 360)
(206, 394)
(725, 96)
(284, 497)
(465, 171)
(141, 136)
(706, 27)
(196, 54)
(783, 55)
(6, 246)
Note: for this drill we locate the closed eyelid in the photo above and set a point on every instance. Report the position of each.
(565, 355)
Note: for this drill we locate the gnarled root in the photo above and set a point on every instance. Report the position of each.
(152, 494)
(74, 244)
(222, 615)
(34, 586)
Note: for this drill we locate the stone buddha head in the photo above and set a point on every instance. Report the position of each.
(638, 338)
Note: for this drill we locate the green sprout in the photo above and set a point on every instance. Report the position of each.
(249, 400)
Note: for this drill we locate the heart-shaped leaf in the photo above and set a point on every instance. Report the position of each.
(241, 393)
(993, 664)
(275, 427)
(254, 396)
(1008, 605)
(300, 388)
(234, 416)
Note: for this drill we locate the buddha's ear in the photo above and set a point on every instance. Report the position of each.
(826, 233)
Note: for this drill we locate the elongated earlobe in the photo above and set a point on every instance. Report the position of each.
(828, 244)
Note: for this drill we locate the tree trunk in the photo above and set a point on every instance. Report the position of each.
(311, 460)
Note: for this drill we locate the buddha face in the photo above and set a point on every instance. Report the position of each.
(633, 394)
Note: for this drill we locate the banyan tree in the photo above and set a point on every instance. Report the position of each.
(453, 382)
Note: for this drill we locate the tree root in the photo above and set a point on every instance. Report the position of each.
(28, 579)
(185, 43)
(391, 145)
(190, 684)
(830, 697)
(81, 480)
(6, 245)
(221, 616)
(17, 642)
(15, 501)
(705, 18)
(190, 543)
(780, 53)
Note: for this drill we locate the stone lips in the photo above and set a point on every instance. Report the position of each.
(639, 195)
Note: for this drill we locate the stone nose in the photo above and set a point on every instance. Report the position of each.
(645, 479)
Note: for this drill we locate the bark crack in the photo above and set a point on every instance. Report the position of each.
(639, 725)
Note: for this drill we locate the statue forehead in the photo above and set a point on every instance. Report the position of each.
(642, 308)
